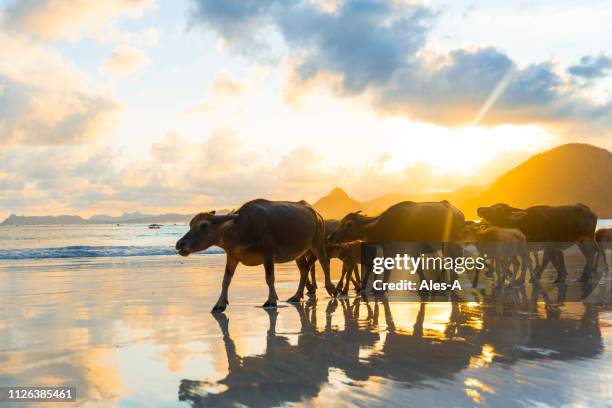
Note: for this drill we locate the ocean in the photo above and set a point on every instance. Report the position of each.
(98, 240)
(112, 311)
(84, 241)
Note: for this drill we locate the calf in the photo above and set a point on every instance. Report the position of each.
(503, 245)
(350, 255)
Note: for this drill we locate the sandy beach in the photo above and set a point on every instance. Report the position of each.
(137, 331)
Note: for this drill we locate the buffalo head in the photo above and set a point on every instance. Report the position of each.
(204, 232)
(501, 215)
(350, 228)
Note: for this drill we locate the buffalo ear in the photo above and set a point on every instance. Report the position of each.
(217, 219)
(517, 215)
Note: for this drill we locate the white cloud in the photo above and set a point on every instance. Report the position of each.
(125, 61)
(70, 20)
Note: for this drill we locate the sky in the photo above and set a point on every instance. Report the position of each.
(187, 105)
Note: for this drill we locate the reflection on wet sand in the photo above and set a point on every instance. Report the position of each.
(138, 332)
(473, 336)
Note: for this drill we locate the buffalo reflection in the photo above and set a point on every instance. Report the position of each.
(474, 335)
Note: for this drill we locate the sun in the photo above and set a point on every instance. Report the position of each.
(465, 150)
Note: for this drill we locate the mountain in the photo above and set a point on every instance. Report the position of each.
(43, 219)
(567, 174)
(457, 197)
(337, 204)
(126, 218)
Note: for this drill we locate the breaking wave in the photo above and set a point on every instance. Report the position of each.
(92, 251)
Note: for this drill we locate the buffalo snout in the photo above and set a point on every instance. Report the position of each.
(182, 247)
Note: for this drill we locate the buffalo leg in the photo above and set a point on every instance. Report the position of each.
(313, 278)
(365, 276)
(311, 284)
(272, 297)
(340, 285)
(525, 264)
(588, 249)
(230, 268)
(559, 263)
(546, 257)
(299, 294)
(355, 278)
(350, 268)
(321, 253)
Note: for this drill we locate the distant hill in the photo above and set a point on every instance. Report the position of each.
(337, 204)
(126, 218)
(457, 197)
(567, 174)
(43, 219)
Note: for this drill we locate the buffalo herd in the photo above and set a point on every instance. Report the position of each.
(269, 232)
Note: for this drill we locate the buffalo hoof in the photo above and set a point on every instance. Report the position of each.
(559, 280)
(312, 291)
(218, 308)
(294, 299)
(331, 290)
(270, 304)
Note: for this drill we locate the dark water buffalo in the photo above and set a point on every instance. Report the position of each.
(261, 232)
(407, 221)
(560, 225)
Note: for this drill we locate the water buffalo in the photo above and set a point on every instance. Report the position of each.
(560, 225)
(261, 232)
(502, 245)
(407, 221)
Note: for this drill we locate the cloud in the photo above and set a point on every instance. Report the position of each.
(45, 99)
(32, 116)
(225, 84)
(591, 67)
(378, 50)
(67, 19)
(125, 61)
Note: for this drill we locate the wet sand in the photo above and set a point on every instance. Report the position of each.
(138, 332)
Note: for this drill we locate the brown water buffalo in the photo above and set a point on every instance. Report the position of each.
(502, 245)
(561, 226)
(407, 221)
(261, 232)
